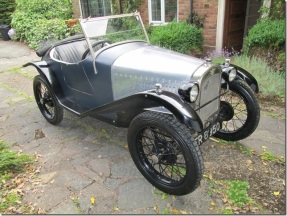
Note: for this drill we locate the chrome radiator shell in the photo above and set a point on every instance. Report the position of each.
(208, 102)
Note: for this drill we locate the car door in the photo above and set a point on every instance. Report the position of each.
(77, 81)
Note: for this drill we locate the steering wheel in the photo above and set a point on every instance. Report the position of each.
(95, 44)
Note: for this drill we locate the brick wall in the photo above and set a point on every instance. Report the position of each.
(183, 9)
(209, 9)
(144, 11)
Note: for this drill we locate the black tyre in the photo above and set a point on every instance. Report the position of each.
(46, 101)
(165, 153)
(240, 112)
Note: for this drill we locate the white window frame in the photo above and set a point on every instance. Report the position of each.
(162, 6)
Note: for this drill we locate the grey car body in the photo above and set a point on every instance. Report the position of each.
(171, 102)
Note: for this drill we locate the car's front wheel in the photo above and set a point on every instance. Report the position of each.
(165, 153)
(47, 101)
(239, 111)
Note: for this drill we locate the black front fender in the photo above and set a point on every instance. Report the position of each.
(121, 112)
(42, 68)
(242, 74)
(45, 71)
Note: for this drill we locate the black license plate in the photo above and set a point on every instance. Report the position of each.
(208, 132)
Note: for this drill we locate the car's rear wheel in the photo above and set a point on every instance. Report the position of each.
(47, 101)
(240, 112)
(165, 153)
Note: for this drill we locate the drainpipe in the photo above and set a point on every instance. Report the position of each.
(191, 6)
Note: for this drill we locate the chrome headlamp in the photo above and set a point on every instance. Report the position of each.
(229, 74)
(189, 92)
(232, 74)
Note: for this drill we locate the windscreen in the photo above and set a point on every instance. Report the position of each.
(118, 28)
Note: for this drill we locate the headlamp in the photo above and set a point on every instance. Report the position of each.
(189, 92)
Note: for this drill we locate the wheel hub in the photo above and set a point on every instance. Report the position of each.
(165, 154)
(47, 99)
(226, 111)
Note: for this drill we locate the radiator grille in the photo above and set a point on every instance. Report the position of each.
(210, 89)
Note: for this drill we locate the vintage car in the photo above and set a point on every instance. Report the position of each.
(170, 102)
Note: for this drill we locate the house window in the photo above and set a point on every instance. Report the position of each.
(162, 11)
(95, 8)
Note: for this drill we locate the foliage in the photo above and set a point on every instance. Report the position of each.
(282, 56)
(34, 30)
(12, 180)
(234, 194)
(76, 29)
(237, 192)
(271, 83)
(10, 200)
(131, 6)
(11, 161)
(181, 37)
(266, 39)
(48, 9)
(276, 11)
(39, 21)
(6, 10)
(266, 33)
(149, 28)
(269, 156)
(196, 19)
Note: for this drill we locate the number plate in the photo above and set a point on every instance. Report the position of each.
(210, 131)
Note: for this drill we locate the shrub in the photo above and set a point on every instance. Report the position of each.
(38, 21)
(34, 29)
(271, 83)
(180, 37)
(6, 10)
(266, 33)
(275, 11)
(48, 9)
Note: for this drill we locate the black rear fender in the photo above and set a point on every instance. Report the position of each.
(122, 112)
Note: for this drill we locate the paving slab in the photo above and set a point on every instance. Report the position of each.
(13, 54)
(135, 194)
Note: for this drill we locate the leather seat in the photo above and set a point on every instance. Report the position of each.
(71, 52)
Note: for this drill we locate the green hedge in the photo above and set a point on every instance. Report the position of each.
(34, 29)
(38, 21)
(181, 37)
(48, 9)
(266, 33)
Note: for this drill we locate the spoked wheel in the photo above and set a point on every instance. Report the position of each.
(46, 101)
(164, 152)
(239, 111)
